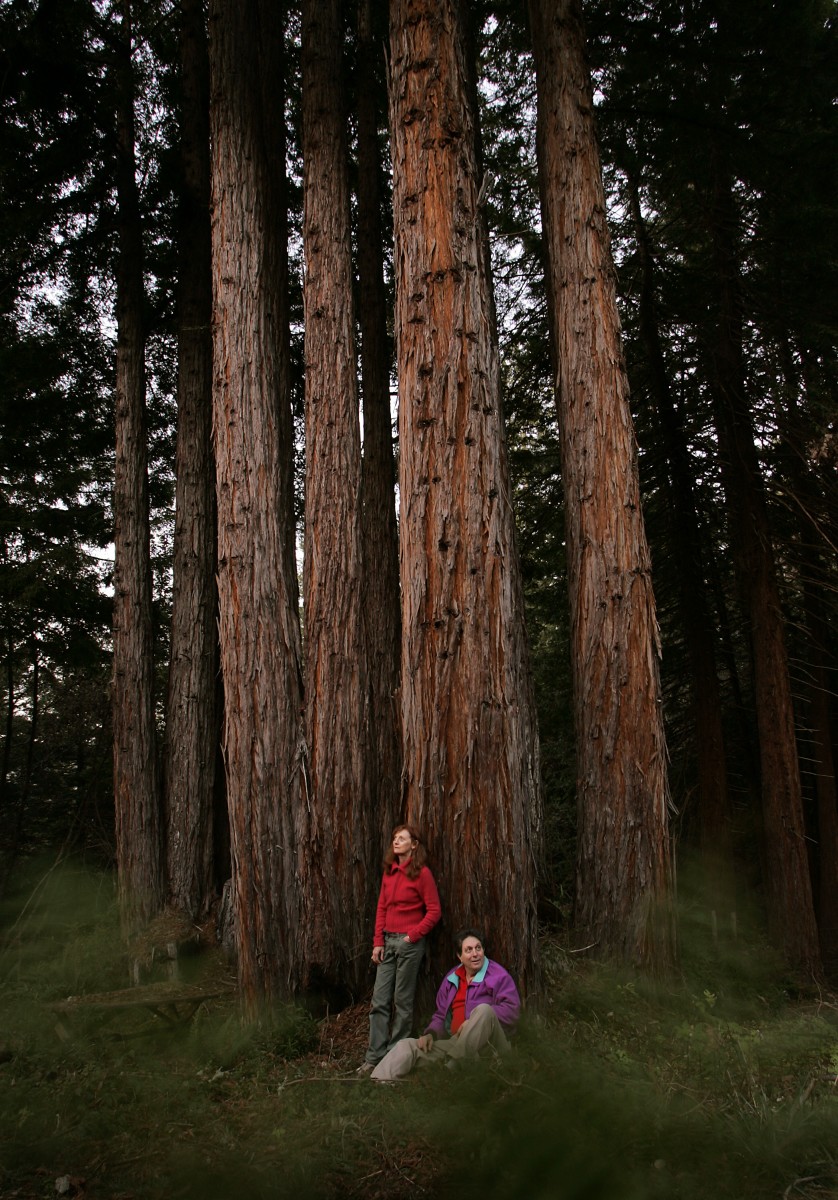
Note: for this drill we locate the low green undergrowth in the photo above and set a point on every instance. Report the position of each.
(719, 1082)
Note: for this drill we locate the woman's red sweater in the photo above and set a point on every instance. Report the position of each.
(405, 905)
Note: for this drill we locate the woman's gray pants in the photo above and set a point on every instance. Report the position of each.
(395, 986)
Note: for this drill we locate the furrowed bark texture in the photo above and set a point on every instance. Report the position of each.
(259, 624)
(136, 781)
(382, 607)
(788, 887)
(192, 715)
(624, 858)
(471, 762)
(340, 864)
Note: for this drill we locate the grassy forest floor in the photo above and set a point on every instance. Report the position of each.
(721, 1082)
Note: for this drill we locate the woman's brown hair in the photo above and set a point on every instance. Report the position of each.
(417, 859)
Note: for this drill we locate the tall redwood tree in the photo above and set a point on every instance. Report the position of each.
(339, 864)
(264, 746)
(624, 857)
(471, 761)
(136, 778)
(382, 607)
(788, 886)
(192, 724)
(688, 553)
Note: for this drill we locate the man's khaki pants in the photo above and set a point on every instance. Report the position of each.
(481, 1029)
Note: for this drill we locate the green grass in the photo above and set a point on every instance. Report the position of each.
(719, 1083)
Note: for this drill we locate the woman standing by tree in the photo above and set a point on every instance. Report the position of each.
(408, 908)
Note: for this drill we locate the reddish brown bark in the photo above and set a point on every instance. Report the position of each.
(339, 874)
(624, 859)
(136, 783)
(192, 726)
(382, 608)
(471, 762)
(259, 624)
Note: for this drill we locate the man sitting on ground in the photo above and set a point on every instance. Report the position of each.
(477, 1005)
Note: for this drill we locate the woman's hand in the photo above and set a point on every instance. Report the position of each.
(377, 954)
(425, 1042)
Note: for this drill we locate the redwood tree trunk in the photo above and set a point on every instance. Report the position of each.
(339, 867)
(624, 857)
(136, 784)
(192, 713)
(259, 622)
(713, 801)
(787, 882)
(382, 608)
(471, 760)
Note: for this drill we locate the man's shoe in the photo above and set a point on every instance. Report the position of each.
(365, 1068)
